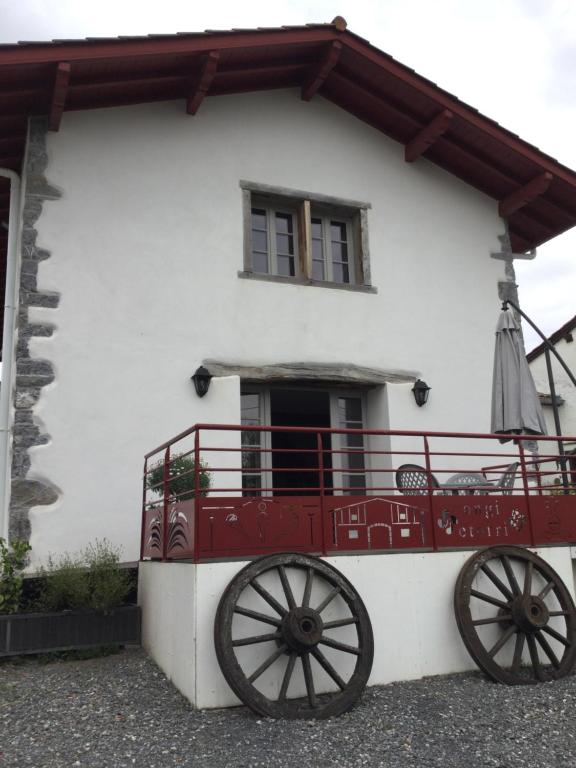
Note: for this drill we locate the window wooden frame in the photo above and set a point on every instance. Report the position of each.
(305, 206)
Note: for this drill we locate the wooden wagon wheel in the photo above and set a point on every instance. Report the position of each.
(293, 638)
(515, 616)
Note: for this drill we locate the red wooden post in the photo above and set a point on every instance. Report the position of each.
(166, 502)
(430, 493)
(321, 477)
(143, 525)
(526, 489)
(197, 502)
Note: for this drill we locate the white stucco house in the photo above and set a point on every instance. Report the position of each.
(563, 341)
(313, 222)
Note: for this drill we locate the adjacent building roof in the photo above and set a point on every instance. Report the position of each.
(563, 333)
(535, 193)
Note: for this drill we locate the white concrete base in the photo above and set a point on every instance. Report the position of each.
(409, 598)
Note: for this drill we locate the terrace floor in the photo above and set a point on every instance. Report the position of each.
(120, 711)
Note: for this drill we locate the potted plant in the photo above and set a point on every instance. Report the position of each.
(81, 602)
(182, 483)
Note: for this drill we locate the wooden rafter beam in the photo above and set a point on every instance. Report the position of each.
(524, 195)
(61, 83)
(428, 135)
(203, 82)
(320, 72)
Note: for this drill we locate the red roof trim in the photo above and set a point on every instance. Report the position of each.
(557, 336)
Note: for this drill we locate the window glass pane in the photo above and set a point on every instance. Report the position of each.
(259, 241)
(251, 460)
(318, 270)
(340, 252)
(338, 231)
(355, 483)
(350, 408)
(317, 228)
(286, 266)
(260, 262)
(258, 219)
(350, 417)
(285, 244)
(284, 222)
(340, 273)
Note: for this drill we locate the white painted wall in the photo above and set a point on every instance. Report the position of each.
(409, 598)
(146, 244)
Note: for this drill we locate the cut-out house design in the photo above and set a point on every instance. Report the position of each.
(378, 523)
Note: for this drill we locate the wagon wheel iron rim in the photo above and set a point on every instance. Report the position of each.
(295, 635)
(516, 616)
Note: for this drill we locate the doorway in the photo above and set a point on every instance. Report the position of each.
(291, 467)
(294, 454)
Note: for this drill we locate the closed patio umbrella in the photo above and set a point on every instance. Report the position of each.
(516, 407)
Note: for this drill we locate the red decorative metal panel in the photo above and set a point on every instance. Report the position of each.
(367, 523)
(553, 519)
(152, 535)
(181, 530)
(480, 521)
(237, 526)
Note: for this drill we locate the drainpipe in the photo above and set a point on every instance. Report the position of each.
(8, 352)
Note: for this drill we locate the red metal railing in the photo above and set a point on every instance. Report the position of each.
(217, 491)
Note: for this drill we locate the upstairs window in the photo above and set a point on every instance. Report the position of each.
(302, 238)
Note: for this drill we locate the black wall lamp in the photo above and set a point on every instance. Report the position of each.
(202, 379)
(420, 391)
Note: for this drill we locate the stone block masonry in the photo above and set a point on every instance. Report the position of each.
(31, 373)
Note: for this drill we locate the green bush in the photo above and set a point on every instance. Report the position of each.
(13, 559)
(91, 580)
(181, 484)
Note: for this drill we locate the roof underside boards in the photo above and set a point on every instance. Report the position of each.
(48, 78)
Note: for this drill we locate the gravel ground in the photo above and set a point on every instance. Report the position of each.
(120, 711)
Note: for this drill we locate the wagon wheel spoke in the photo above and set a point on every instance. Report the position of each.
(518, 649)
(256, 639)
(488, 598)
(256, 615)
(546, 647)
(556, 635)
(297, 632)
(543, 592)
(287, 676)
(308, 587)
(528, 579)
(536, 665)
(522, 613)
(497, 582)
(286, 587)
(511, 575)
(493, 619)
(340, 646)
(309, 680)
(325, 664)
(341, 622)
(499, 644)
(268, 663)
(272, 602)
(328, 599)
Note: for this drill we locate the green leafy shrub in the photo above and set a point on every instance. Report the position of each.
(91, 580)
(13, 559)
(181, 484)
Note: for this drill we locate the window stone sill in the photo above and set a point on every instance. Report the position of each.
(302, 281)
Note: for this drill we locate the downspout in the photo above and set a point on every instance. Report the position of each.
(8, 351)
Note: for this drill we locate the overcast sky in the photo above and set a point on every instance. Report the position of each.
(514, 60)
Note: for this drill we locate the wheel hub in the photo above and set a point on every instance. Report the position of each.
(530, 613)
(302, 629)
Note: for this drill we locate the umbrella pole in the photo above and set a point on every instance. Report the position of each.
(547, 349)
